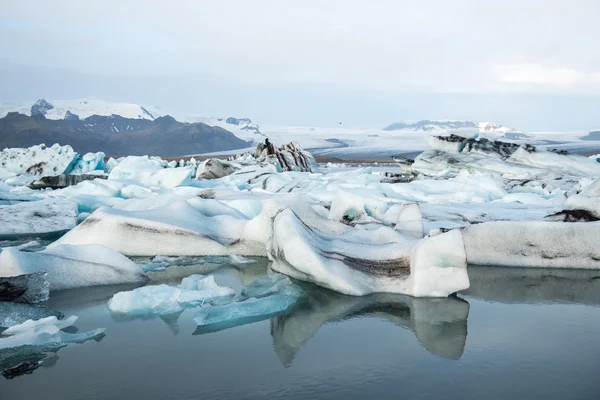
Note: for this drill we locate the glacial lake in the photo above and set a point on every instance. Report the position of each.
(515, 334)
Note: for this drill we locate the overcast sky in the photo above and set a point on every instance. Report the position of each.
(533, 64)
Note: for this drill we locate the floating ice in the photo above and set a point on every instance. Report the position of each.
(214, 168)
(588, 200)
(176, 229)
(88, 163)
(194, 290)
(15, 313)
(69, 267)
(37, 325)
(359, 262)
(37, 160)
(37, 217)
(271, 284)
(151, 172)
(48, 335)
(533, 244)
(249, 310)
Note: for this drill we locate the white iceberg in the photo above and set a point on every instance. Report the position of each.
(538, 244)
(176, 229)
(69, 267)
(195, 290)
(37, 160)
(36, 325)
(362, 261)
(151, 171)
(38, 217)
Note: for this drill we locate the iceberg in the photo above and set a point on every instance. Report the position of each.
(69, 267)
(362, 261)
(89, 163)
(151, 171)
(195, 290)
(214, 168)
(40, 324)
(37, 160)
(37, 217)
(587, 200)
(48, 335)
(244, 312)
(177, 229)
(271, 284)
(538, 244)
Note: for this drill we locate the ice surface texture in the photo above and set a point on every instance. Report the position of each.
(48, 161)
(534, 244)
(69, 267)
(28, 288)
(44, 332)
(195, 290)
(45, 216)
(360, 262)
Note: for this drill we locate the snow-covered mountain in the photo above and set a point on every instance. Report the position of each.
(494, 128)
(243, 128)
(445, 125)
(81, 108)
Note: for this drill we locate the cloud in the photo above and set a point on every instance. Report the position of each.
(534, 74)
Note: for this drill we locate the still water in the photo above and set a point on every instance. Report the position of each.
(516, 333)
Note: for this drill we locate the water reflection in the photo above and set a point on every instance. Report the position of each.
(440, 325)
(534, 285)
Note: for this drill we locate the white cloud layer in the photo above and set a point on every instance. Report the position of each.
(387, 47)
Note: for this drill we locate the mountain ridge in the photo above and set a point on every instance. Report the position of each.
(117, 135)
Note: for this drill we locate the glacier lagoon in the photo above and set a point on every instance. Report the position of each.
(515, 333)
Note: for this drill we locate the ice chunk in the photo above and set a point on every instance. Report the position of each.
(70, 267)
(176, 229)
(194, 291)
(247, 311)
(28, 288)
(62, 181)
(36, 160)
(14, 313)
(151, 172)
(271, 284)
(159, 299)
(567, 163)
(588, 200)
(88, 163)
(409, 220)
(37, 325)
(48, 335)
(37, 217)
(214, 168)
(533, 244)
(358, 261)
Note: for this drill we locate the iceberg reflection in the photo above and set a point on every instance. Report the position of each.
(440, 324)
(534, 285)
